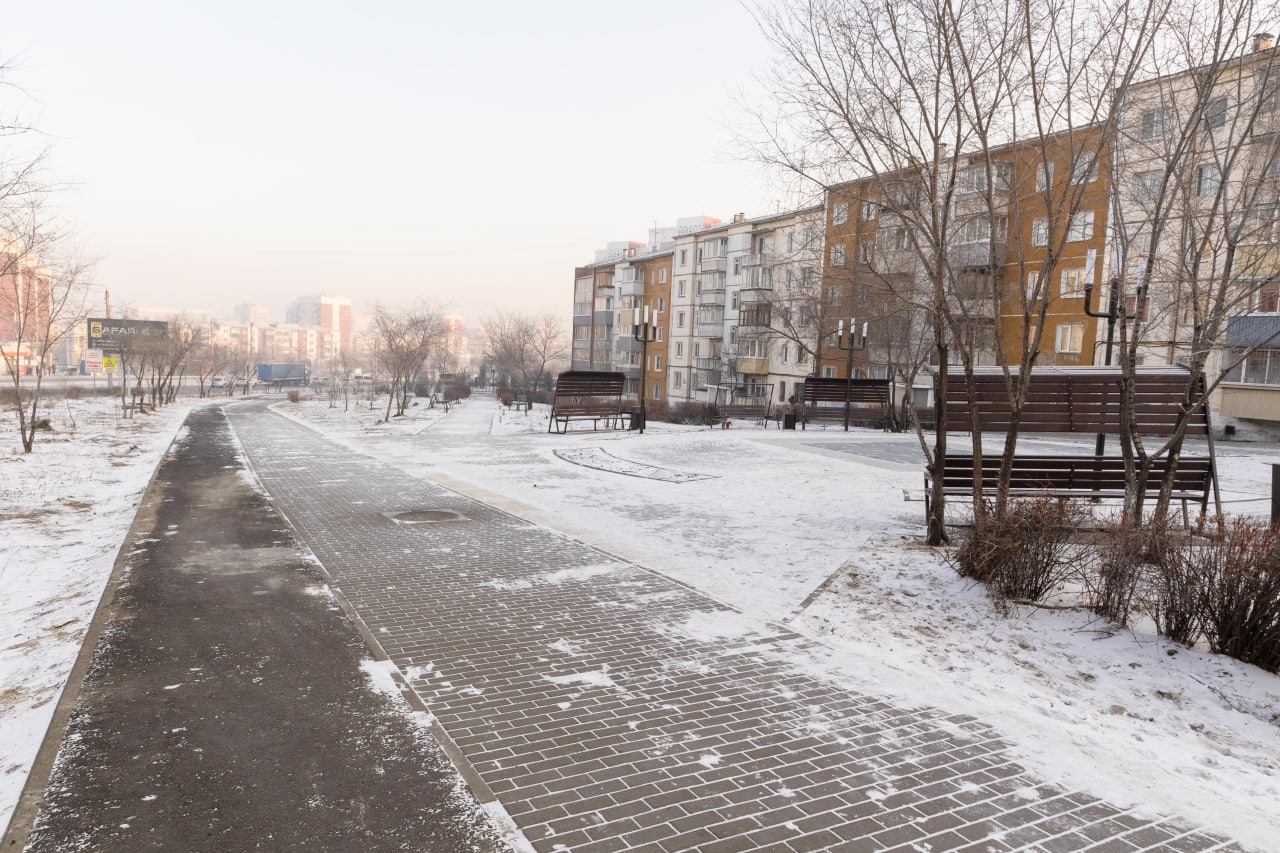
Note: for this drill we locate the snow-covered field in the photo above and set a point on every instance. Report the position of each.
(65, 509)
(810, 529)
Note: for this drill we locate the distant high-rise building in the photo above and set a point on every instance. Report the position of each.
(246, 312)
(327, 311)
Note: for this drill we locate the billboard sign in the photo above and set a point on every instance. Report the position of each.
(116, 336)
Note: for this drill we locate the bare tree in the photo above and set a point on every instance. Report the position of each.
(42, 298)
(925, 104)
(524, 346)
(407, 337)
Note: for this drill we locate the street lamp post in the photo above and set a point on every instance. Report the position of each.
(852, 344)
(644, 334)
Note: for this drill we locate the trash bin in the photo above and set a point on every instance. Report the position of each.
(637, 417)
(788, 420)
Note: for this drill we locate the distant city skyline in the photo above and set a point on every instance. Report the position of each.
(472, 155)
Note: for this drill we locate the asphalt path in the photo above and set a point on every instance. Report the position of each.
(224, 706)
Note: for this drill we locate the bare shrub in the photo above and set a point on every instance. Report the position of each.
(1024, 552)
(295, 396)
(1121, 563)
(702, 414)
(1240, 592)
(1172, 593)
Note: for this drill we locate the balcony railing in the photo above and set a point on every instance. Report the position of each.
(581, 309)
(708, 365)
(720, 264)
(754, 259)
(631, 288)
(631, 275)
(977, 255)
(760, 278)
(753, 366)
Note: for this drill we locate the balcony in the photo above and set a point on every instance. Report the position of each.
(582, 309)
(720, 264)
(760, 278)
(708, 365)
(977, 255)
(754, 315)
(625, 343)
(631, 288)
(709, 322)
(753, 366)
(754, 259)
(630, 275)
(631, 371)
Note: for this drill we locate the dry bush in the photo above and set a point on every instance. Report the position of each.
(702, 414)
(295, 396)
(1239, 581)
(1024, 552)
(1127, 560)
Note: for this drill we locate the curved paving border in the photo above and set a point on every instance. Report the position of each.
(609, 708)
(595, 457)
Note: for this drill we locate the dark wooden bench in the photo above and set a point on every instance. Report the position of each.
(758, 412)
(825, 400)
(1075, 400)
(593, 395)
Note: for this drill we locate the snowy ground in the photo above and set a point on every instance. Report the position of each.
(806, 528)
(64, 511)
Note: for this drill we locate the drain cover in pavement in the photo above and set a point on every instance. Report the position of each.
(426, 516)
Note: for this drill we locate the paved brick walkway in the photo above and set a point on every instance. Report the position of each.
(610, 708)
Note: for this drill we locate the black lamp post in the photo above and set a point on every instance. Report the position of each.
(644, 334)
(1112, 314)
(850, 344)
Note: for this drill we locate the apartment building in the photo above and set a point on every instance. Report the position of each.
(327, 311)
(737, 326)
(1199, 222)
(1023, 249)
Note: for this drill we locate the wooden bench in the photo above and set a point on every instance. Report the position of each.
(592, 395)
(1075, 400)
(826, 400)
(758, 412)
(1076, 477)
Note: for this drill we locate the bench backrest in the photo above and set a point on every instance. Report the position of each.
(819, 389)
(1082, 399)
(590, 383)
(1073, 472)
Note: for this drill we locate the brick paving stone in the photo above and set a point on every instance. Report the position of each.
(572, 685)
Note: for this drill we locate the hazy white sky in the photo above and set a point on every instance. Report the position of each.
(469, 152)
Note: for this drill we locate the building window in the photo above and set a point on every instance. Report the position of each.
(1070, 337)
(786, 353)
(866, 250)
(679, 319)
(1081, 227)
(657, 362)
(840, 213)
(1040, 232)
(869, 209)
(657, 392)
(828, 372)
(1208, 180)
(837, 255)
(697, 349)
(677, 380)
(782, 390)
(1147, 185)
(1072, 282)
(1215, 113)
(1263, 224)
(680, 291)
(1044, 177)
(662, 304)
(737, 264)
(1191, 306)
(1154, 124)
(1033, 281)
(1131, 308)
(684, 257)
(662, 276)
(1084, 169)
(679, 349)
(802, 355)
(657, 333)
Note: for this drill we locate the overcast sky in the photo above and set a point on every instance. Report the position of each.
(469, 152)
